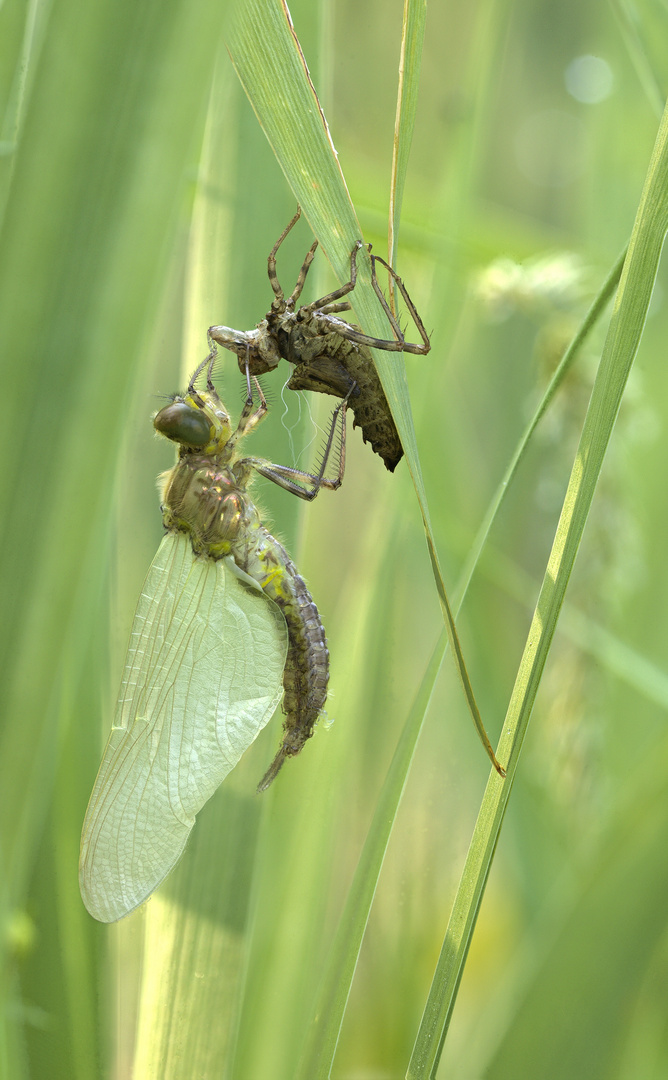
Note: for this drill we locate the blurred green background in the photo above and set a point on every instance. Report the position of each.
(139, 201)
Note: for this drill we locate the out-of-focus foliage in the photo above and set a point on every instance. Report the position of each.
(120, 244)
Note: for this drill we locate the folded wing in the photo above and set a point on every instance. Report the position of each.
(203, 676)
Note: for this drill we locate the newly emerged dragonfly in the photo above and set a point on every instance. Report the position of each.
(224, 627)
(329, 355)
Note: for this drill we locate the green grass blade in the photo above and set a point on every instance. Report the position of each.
(101, 114)
(618, 939)
(589, 635)
(197, 925)
(194, 945)
(412, 40)
(111, 316)
(333, 992)
(84, 245)
(271, 66)
(273, 72)
(628, 320)
(636, 33)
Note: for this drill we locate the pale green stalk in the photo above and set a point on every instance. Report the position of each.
(272, 69)
(623, 339)
(335, 986)
(412, 40)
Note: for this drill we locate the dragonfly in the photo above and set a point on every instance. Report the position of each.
(330, 356)
(225, 627)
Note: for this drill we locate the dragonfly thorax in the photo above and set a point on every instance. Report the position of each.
(207, 501)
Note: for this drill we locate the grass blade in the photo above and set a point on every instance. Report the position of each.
(335, 986)
(621, 345)
(83, 264)
(412, 40)
(270, 63)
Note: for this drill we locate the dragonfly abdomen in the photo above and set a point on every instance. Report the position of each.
(307, 665)
(327, 362)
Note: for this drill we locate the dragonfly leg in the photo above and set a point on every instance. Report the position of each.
(408, 346)
(325, 302)
(331, 309)
(250, 415)
(304, 484)
(271, 261)
(301, 277)
(280, 304)
(208, 362)
(326, 307)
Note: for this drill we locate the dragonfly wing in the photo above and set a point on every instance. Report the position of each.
(203, 676)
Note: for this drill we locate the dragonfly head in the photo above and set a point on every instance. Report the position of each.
(196, 422)
(258, 349)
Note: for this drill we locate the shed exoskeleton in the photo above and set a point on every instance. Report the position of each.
(330, 356)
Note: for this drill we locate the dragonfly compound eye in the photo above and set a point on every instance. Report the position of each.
(183, 424)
